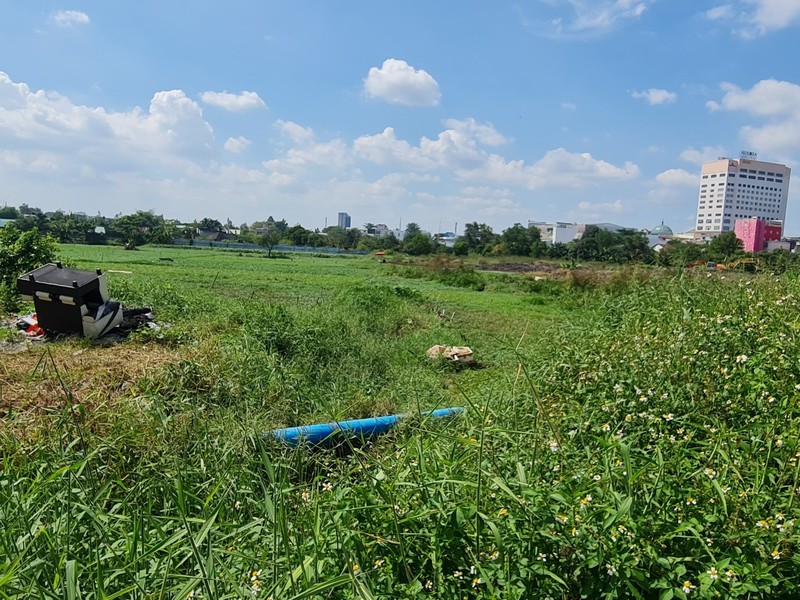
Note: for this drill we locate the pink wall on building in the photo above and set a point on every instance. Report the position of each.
(751, 232)
(755, 233)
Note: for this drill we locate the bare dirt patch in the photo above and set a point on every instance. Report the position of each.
(523, 268)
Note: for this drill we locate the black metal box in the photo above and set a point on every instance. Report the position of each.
(70, 300)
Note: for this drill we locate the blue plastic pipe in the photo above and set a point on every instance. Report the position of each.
(326, 433)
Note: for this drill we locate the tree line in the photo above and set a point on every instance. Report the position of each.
(595, 245)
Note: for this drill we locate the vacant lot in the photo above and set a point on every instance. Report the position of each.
(624, 435)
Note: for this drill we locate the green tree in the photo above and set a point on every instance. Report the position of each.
(418, 244)
(411, 229)
(298, 235)
(8, 212)
(479, 237)
(21, 251)
(725, 247)
(519, 240)
(209, 224)
(135, 229)
(269, 239)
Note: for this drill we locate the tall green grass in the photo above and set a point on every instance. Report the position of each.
(644, 444)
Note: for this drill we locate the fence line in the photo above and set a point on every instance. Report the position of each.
(247, 246)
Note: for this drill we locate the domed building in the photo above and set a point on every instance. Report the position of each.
(664, 231)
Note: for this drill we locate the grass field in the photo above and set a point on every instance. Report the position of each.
(627, 435)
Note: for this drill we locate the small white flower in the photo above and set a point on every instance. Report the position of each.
(611, 569)
(741, 359)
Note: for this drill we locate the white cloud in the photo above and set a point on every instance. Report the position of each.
(385, 149)
(70, 18)
(43, 121)
(773, 100)
(705, 154)
(236, 145)
(458, 146)
(397, 82)
(655, 96)
(754, 18)
(719, 13)
(569, 105)
(556, 169)
(676, 178)
(587, 17)
(164, 154)
(613, 208)
(484, 133)
(233, 102)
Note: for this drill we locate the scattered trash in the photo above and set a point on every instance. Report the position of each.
(328, 434)
(456, 354)
(29, 325)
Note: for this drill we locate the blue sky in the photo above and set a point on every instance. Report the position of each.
(433, 112)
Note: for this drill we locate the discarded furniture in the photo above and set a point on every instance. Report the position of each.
(70, 300)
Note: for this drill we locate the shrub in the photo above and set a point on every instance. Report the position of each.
(20, 252)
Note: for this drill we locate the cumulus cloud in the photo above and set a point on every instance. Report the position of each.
(558, 168)
(705, 154)
(754, 18)
(294, 132)
(173, 123)
(397, 82)
(677, 177)
(590, 17)
(655, 96)
(233, 102)
(70, 18)
(722, 12)
(386, 150)
(599, 208)
(458, 146)
(235, 145)
(777, 102)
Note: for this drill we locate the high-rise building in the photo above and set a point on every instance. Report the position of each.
(741, 188)
(344, 220)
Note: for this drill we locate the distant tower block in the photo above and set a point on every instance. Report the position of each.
(742, 188)
(344, 220)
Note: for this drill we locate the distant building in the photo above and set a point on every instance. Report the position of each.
(755, 233)
(743, 188)
(558, 232)
(344, 220)
(4, 222)
(446, 239)
(381, 230)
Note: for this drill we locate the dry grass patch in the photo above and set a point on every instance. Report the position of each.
(43, 375)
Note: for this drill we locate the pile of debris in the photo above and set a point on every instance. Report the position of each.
(71, 301)
(461, 355)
